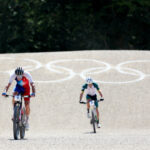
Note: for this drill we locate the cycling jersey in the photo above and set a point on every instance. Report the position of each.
(90, 91)
(22, 86)
(26, 74)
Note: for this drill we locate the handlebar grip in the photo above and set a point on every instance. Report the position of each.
(102, 99)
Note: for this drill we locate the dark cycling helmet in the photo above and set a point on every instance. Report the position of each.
(19, 71)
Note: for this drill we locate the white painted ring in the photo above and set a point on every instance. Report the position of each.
(38, 64)
(51, 66)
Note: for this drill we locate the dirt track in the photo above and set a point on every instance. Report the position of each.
(57, 120)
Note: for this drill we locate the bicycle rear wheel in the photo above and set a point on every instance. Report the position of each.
(93, 122)
(16, 123)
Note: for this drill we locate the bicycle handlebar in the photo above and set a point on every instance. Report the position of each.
(26, 96)
(82, 102)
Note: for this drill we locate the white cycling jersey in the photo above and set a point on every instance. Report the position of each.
(26, 74)
(90, 91)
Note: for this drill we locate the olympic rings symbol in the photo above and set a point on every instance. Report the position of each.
(28, 68)
(103, 67)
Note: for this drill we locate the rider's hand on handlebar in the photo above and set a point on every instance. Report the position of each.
(4, 94)
(82, 102)
(102, 99)
(32, 95)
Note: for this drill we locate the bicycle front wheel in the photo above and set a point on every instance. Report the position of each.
(16, 122)
(93, 122)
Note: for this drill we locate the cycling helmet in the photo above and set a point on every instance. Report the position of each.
(19, 71)
(89, 80)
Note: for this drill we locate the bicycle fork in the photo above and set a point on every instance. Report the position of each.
(95, 119)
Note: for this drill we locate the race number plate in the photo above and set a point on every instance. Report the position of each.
(91, 103)
(18, 98)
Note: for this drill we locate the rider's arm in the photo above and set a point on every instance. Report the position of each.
(12, 77)
(98, 89)
(100, 93)
(82, 91)
(81, 95)
(7, 87)
(33, 87)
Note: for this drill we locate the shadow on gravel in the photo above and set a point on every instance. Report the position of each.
(89, 133)
(18, 139)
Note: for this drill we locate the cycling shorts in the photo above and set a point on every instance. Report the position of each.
(94, 97)
(23, 91)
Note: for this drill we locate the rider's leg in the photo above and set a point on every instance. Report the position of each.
(98, 124)
(88, 107)
(97, 115)
(27, 106)
(96, 104)
(27, 102)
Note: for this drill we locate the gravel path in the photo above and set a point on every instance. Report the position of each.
(58, 122)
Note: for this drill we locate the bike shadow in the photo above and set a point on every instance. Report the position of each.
(25, 139)
(89, 132)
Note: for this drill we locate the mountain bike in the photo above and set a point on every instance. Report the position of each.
(19, 117)
(94, 118)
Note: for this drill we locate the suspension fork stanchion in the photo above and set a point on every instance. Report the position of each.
(93, 121)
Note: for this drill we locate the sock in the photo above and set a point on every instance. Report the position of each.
(27, 118)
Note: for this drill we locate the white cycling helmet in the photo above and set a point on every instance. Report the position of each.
(89, 80)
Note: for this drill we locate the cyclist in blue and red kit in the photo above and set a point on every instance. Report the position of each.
(24, 81)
